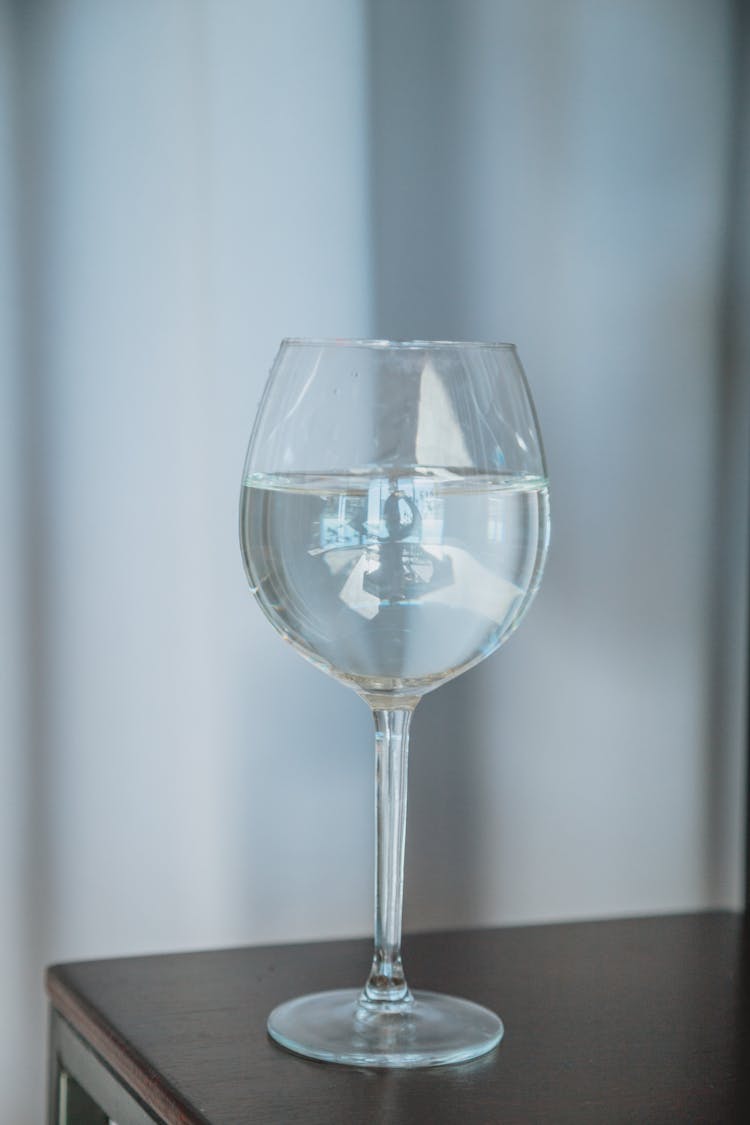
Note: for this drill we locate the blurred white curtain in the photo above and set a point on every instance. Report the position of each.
(563, 175)
(183, 184)
(192, 185)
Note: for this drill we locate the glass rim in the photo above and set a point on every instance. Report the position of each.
(406, 345)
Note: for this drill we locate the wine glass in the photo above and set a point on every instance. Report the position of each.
(394, 522)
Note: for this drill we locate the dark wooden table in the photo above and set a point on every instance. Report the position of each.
(638, 1020)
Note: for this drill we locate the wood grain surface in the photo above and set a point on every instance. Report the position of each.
(637, 1020)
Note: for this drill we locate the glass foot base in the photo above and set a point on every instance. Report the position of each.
(434, 1030)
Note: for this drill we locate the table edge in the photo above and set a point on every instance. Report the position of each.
(118, 1056)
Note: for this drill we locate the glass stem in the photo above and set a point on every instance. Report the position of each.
(386, 983)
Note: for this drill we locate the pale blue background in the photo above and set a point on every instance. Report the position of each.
(181, 185)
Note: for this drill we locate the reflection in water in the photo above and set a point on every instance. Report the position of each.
(400, 578)
(404, 570)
